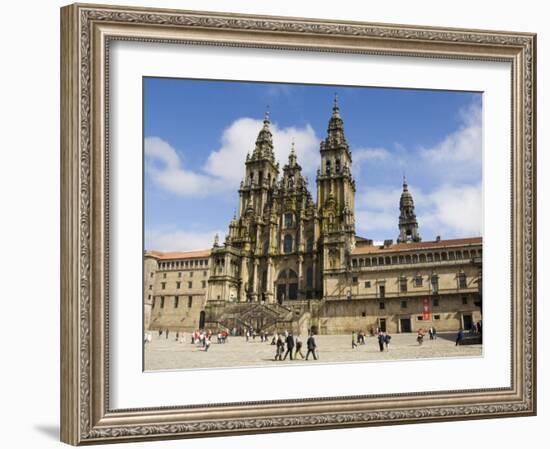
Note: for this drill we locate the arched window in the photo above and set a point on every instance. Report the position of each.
(287, 244)
(309, 277)
(287, 286)
(288, 220)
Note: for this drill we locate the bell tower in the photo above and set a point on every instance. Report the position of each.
(260, 174)
(408, 226)
(335, 184)
(335, 198)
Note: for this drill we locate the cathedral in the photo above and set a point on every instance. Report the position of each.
(289, 262)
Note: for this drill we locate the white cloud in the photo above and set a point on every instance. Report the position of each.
(181, 240)
(448, 210)
(464, 146)
(370, 154)
(456, 210)
(377, 211)
(164, 166)
(224, 168)
(239, 138)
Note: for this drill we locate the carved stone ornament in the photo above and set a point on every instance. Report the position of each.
(87, 33)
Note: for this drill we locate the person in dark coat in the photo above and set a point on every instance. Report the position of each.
(387, 339)
(459, 337)
(311, 347)
(381, 341)
(289, 346)
(280, 348)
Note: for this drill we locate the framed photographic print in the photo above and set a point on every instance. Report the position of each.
(282, 224)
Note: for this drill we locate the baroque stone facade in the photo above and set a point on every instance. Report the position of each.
(289, 262)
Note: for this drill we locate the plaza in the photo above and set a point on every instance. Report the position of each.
(166, 353)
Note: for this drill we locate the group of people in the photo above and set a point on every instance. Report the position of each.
(200, 337)
(382, 337)
(293, 346)
(251, 333)
(432, 332)
(360, 339)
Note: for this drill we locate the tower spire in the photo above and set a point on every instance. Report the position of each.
(335, 107)
(264, 142)
(292, 155)
(408, 226)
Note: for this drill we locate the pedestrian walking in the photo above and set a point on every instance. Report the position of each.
(207, 343)
(381, 341)
(280, 348)
(289, 346)
(431, 333)
(459, 337)
(420, 337)
(311, 347)
(353, 342)
(434, 333)
(387, 339)
(166, 334)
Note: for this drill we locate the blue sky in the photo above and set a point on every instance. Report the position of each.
(197, 134)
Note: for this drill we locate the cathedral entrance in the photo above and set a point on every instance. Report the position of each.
(202, 319)
(287, 285)
(405, 324)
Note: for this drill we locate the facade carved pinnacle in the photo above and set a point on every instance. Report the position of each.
(335, 132)
(292, 155)
(264, 142)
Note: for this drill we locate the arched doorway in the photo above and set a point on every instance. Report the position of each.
(287, 285)
(202, 319)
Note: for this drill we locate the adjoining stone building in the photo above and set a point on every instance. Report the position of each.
(288, 262)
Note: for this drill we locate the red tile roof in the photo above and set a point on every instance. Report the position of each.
(370, 249)
(178, 255)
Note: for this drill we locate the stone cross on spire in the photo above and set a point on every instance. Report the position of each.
(264, 142)
(292, 155)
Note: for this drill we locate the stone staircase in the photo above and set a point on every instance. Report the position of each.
(258, 316)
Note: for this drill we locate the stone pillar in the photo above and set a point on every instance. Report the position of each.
(300, 272)
(270, 290)
(244, 277)
(255, 279)
(314, 268)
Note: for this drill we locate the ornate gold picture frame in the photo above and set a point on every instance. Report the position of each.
(87, 32)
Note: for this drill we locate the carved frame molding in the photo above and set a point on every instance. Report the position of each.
(87, 31)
